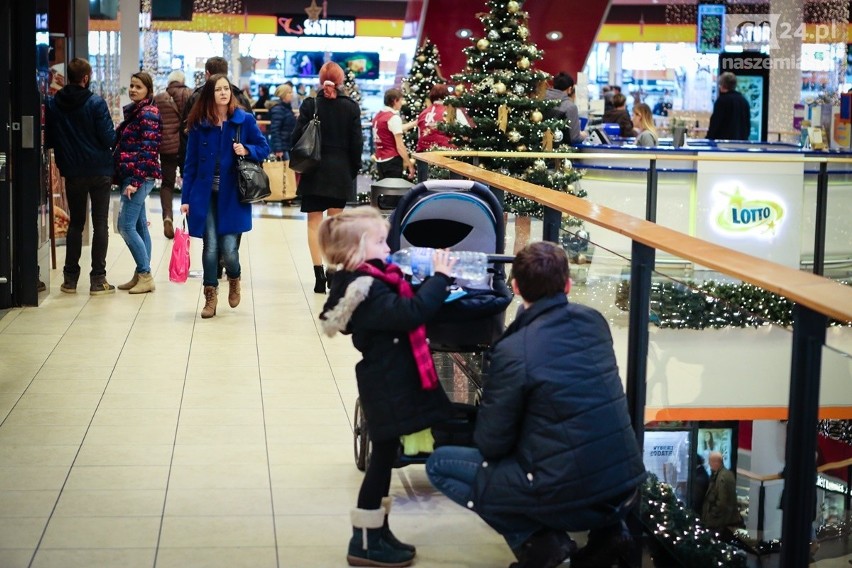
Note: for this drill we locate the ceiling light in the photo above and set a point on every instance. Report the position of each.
(554, 35)
(464, 33)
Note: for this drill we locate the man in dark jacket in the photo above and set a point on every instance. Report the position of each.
(619, 115)
(555, 451)
(731, 118)
(719, 510)
(80, 130)
(171, 103)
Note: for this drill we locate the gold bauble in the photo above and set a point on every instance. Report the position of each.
(482, 44)
(536, 116)
(523, 63)
(499, 88)
(513, 7)
(514, 136)
(459, 89)
(421, 58)
(524, 32)
(522, 148)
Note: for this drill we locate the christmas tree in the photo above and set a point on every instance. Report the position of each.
(424, 74)
(352, 90)
(503, 94)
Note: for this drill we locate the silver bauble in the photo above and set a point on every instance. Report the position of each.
(539, 164)
(514, 136)
(558, 136)
(519, 88)
(493, 35)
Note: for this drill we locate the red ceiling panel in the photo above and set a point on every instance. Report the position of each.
(443, 18)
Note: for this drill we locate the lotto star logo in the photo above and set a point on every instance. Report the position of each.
(741, 214)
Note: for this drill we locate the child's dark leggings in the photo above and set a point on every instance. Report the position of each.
(378, 476)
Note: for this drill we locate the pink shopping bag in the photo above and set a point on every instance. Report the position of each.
(179, 263)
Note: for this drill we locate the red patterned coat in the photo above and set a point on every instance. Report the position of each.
(137, 144)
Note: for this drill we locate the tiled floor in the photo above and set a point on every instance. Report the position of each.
(133, 433)
(136, 434)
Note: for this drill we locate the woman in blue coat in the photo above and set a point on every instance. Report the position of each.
(210, 195)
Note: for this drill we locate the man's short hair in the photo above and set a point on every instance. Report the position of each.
(216, 65)
(563, 81)
(728, 81)
(78, 69)
(619, 100)
(540, 270)
(391, 96)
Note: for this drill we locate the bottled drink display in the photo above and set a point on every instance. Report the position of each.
(471, 267)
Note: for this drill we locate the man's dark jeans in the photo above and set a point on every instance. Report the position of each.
(391, 168)
(77, 189)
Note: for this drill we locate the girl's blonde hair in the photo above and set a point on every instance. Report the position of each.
(343, 237)
(645, 117)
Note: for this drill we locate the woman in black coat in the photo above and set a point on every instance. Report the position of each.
(328, 186)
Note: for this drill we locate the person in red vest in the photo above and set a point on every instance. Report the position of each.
(429, 136)
(391, 153)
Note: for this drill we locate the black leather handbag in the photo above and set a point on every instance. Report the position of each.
(305, 153)
(252, 180)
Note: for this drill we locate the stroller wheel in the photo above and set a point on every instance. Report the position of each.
(362, 446)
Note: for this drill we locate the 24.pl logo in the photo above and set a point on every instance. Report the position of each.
(743, 215)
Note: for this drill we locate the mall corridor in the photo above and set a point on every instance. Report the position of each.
(135, 434)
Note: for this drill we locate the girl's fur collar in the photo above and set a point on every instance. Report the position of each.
(337, 319)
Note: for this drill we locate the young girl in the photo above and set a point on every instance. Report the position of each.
(397, 382)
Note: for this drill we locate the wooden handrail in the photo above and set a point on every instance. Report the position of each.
(817, 293)
(834, 465)
(679, 157)
(757, 476)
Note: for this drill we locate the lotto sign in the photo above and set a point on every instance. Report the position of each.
(752, 207)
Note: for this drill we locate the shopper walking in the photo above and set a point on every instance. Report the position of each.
(170, 104)
(79, 128)
(210, 195)
(327, 187)
(397, 383)
(137, 165)
(282, 122)
(731, 118)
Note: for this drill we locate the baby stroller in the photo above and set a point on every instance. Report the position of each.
(458, 215)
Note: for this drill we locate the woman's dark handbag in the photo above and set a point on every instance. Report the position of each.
(305, 154)
(252, 180)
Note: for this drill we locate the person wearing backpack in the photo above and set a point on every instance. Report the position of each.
(170, 102)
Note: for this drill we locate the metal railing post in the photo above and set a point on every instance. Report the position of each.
(761, 510)
(800, 459)
(551, 224)
(651, 193)
(821, 213)
(641, 267)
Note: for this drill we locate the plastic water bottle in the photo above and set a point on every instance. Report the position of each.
(472, 267)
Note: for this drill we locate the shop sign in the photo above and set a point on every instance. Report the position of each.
(748, 29)
(295, 25)
(742, 213)
(830, 485)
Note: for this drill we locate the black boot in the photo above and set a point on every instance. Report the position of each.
(367, 547)
(389, 537)
(329, 274)
(545, 549)
(605, 547)
(319, 284)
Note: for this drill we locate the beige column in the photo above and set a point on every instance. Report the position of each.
(785, 76)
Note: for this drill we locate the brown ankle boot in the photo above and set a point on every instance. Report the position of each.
(211, 298)
(130, 283)
(144, 284)
(234, 291)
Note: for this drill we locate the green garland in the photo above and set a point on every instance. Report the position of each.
(712, 304)
(682, 536)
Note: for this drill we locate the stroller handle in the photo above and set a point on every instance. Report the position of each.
(501, 258)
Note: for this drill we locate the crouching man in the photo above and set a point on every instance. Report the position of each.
(555, 451)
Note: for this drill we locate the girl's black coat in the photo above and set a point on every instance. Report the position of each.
(379, 320)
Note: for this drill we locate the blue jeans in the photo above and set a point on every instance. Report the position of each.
(133, 224)
(452, 470)
(215, 245)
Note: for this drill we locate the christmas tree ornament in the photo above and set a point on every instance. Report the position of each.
(514, 136)
(459, 89)
(521, 148)
(519, 89)
(536, 116)
(499, 88)
(513, 7)
(450, 114)
(506, 30)
(503, 172)
(523, 32)
(541, 90)
(421, 58)
(482, 44)
(502, 117)
(524, 63)
(540, 165)
(418, 75)
(547, 141)
(567, 165)
(493, 35)
(558, 136)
